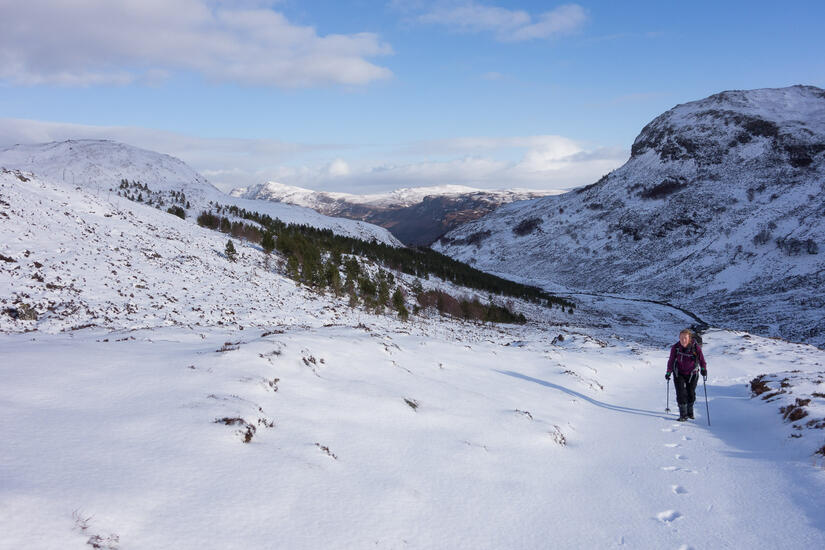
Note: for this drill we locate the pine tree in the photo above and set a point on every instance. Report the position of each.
(292, 268)
(399, 305)
(333, 277)
(383, 290)
(418, 288)
(268, 242)
(231, 253)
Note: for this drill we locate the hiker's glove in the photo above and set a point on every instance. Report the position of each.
(667, 376)
(704, 373)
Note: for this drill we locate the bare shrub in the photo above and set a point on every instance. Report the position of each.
(228, 346)
(759, 386)
(524, 413)
(111, 542)
(326, 450)
(247, 431)
(527, 226)
(663, 189)
(558, 436)
(795, 411)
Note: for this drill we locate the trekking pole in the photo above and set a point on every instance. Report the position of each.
(667, 407)
(706, 397)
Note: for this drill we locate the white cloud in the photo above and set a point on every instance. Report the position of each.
(338, 168)
(562, 20)
(506, 24)
(537, 162)
(104, 42)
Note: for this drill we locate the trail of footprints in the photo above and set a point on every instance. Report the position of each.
(669, 516)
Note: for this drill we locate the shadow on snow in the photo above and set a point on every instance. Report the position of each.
(602, 404)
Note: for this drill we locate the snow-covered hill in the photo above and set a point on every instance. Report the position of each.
(719, 210)
(165, 397)
(100, 165)
(417, 216)
(328, 202)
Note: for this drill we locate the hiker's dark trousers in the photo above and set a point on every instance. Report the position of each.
(685, 388)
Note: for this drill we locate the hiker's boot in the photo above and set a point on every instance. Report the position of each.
(690, 411)
(682, 413)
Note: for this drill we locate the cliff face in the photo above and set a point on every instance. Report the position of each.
(720, 209)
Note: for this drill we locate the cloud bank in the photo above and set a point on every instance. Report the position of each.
(94, 42)
(536, 162)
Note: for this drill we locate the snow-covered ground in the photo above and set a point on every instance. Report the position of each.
(435, 435)
(298, 422)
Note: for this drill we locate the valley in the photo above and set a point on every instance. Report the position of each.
(161, 389)
(167, 396)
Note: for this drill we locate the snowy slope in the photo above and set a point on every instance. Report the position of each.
(719, 210)
(78, 259)
(363, 431)
(100, 165)
(392, 437)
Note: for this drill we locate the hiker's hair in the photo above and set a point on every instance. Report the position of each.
(686, 331)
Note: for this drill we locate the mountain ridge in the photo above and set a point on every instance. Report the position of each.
(101, 165)
(417, 216)
(718, 210)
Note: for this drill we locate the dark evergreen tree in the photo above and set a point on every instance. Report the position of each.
(268, 242)
(398, 303)
(231, 253)
(332, 277)
(383, 290)
(293, 269)
(177, 211)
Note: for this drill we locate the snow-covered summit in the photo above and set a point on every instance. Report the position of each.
(398, 198)
(100, 165)
(718, 210)
(415, 215)
(743, 123)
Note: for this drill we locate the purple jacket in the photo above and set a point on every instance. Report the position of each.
(685, 359)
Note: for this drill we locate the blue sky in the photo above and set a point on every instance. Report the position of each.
(368, 96)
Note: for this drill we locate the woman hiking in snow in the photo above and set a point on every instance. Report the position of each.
(685, 364)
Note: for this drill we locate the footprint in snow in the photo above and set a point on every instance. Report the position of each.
(668, 515)
(668, 429)
(681, 457)
(686, 438)
(678, 490)
(677, 469)
(671, 445)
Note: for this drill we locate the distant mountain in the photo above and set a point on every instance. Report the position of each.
(416, 216)
(720, 209)
(100, 165)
